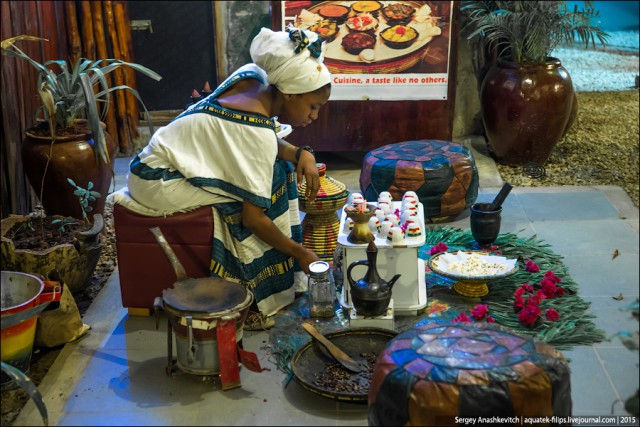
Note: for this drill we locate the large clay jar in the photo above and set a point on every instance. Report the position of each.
(71, 157)
(526, 110)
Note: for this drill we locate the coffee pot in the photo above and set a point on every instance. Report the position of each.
(371, 294)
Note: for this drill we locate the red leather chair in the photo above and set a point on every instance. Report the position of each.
(143, 267)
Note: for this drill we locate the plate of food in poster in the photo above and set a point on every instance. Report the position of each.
(369, 36)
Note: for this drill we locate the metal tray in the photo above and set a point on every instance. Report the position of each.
(311, 358)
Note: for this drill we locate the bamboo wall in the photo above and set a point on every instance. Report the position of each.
(89, 29)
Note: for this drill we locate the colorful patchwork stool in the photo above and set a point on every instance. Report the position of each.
(433, 373)
(443, 174)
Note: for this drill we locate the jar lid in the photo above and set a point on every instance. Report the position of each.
(319, 267)
(328, 186)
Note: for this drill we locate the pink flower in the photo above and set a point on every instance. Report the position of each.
(479, 311)
(527, 316)
(532, 267)
(461, 318)
(491, 319)
(440, 247)
(518, 304)
(552, 315)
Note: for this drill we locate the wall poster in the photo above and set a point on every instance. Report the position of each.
(380, 50)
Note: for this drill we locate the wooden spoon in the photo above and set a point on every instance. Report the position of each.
(338, 354)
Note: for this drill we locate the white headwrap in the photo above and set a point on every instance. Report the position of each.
(291, 72)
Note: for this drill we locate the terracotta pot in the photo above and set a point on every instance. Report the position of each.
(71, 157)
(526, 110)
(75, 263)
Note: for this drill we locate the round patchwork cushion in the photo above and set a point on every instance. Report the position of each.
(433, 373)
(443, 174)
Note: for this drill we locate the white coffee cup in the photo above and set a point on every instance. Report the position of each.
(393, 218)
(395, 236)
(385, 206)
(409, 194)
(406, 215)
(348, 225)
(374, 225)
(353, 197)
(385, 195)
(409, 201)
(385, 226)
(413, 230)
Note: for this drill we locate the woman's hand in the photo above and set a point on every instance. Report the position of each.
(254, 219)
(305, 258)
(308, 169)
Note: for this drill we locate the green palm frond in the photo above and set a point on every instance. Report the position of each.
(528, 31)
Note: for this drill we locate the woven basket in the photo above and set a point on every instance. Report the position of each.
(321, 225)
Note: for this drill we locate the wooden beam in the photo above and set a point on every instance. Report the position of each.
(121, 108)
(123, 30)
(103, 53)
(86, 25)
(73, 35)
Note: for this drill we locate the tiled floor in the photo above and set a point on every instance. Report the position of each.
(116, 374)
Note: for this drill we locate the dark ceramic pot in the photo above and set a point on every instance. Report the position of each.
(526, 110)
(371, 294)
(71, 157)
(485, 224)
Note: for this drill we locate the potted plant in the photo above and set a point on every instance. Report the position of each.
(527, 98)
(71, 122)
(68, 146)
(39, 244)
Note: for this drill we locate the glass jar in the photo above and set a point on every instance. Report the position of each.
(322, 290)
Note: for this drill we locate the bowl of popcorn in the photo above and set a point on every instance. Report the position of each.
(472, 270)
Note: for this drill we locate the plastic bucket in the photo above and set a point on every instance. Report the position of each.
(20, 292)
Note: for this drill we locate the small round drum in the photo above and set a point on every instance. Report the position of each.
(194, 307)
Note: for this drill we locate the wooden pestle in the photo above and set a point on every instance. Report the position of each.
(502, 194)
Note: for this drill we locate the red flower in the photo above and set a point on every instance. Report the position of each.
(551, 276)
(552, 315)
(440, 247)
(533, 304)
(479, 311)
(518, 304)
(527, 316)
(491, 319)
(532, 267)
(461, 318)
(559, 291)
(535, 299)
(548, 287)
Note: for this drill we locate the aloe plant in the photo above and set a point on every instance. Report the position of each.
(69, 94)
(528, 31)
(27, 385)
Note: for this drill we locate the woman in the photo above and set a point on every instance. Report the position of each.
(224, 152)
